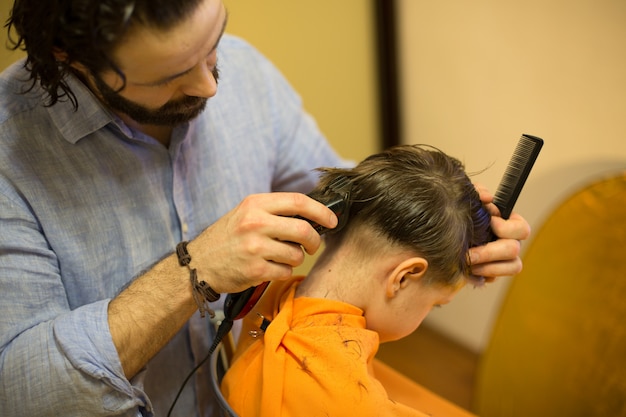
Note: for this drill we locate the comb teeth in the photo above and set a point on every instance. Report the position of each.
(516, 173)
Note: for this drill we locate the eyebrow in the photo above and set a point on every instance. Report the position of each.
(187, 71)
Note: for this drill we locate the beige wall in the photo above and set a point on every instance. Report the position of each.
(325, 48)
(6, 56)
(478, 74)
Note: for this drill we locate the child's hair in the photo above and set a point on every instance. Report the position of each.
(417, 197)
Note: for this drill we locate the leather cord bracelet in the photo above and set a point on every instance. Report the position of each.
(203, 294)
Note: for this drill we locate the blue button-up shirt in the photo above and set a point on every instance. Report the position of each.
(87, 204)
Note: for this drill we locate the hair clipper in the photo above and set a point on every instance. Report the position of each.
(336, 196)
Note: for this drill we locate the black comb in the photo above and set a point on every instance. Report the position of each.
(516, 173)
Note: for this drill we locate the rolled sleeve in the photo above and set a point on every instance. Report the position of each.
(53, 360)
(84, 338)
(69, 366)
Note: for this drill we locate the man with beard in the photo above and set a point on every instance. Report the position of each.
(129, 200)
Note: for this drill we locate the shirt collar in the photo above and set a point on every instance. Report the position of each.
(90, 116)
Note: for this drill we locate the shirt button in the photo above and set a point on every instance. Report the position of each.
(185, 228)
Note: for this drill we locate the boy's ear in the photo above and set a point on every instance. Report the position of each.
(408, 271)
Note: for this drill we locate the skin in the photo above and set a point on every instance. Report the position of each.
(251, 243)
(387, 282)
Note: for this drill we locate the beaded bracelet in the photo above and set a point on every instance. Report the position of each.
(202, 292)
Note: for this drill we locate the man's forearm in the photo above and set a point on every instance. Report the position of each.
(147, 314)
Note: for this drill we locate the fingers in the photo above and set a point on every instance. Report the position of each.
(294, 204)
(498, 269)
(487, 199)
(497, 251)
(231, 260)
(496, 259)
(288, 205)
(270, 261)
(516, 227)
(260, 240)
(501, 257)
(484, 194)
(272, 215)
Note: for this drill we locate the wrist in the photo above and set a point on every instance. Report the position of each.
(202, 292)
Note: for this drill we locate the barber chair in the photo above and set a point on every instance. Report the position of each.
(559, 344)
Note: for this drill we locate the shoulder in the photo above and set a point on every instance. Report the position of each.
(235, 51)
(16, 95)
(231, 44)
(242, 63)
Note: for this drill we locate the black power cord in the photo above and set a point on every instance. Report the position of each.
(222, 331)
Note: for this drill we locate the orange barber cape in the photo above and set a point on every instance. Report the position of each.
(313, 360)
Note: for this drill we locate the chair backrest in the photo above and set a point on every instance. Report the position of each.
(218, 366)
(558, 347)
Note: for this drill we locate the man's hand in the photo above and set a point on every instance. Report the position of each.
(259, 240)
(501, 257)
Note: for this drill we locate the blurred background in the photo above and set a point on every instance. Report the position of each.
(469, 78)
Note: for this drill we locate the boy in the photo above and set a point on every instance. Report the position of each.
(414, 214)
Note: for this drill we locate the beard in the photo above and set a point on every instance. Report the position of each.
(171, 114)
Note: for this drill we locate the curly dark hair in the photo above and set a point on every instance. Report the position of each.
(81, 31)
(420, 198)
